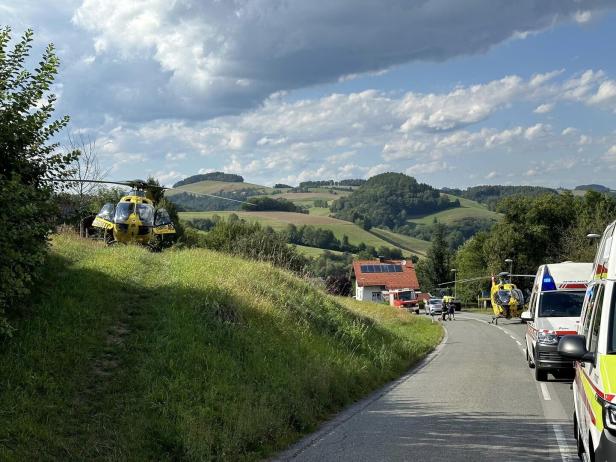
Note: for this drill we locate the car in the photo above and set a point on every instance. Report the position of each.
(593, 348)
(553, 311)
(434, 306)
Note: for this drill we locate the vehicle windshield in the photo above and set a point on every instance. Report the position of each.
(406, 296)
(123, 211)
(146, 214)
(560, 304)
(435, 300)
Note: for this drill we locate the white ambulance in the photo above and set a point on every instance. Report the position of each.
(553, 311)
(594, 350)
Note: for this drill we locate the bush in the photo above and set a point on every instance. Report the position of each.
(27, 164)
(269, 204)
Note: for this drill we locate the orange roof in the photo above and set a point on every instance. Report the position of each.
(406, 279)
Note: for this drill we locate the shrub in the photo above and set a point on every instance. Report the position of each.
(28, 161)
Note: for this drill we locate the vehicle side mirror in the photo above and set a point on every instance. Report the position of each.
(574, 347)
(526, 316)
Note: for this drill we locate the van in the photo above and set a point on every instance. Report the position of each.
(553, 311)
(593, 348)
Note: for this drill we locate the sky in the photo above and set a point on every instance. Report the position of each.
(455, 93)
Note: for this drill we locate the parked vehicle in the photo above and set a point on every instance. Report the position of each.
(434, 306)
(593, 348)
(553, 311)
(402, 298)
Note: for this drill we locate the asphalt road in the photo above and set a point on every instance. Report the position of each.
(473, 399)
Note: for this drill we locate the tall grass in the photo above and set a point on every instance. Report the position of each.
(186, 355)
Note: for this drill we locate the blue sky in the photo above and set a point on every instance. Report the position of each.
(453, 93)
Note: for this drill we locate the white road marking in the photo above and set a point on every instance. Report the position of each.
(565, 452)
(545, 392)
(518, 342)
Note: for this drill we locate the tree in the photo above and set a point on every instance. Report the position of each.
(436, 267)
(28, 163)
(85, 167)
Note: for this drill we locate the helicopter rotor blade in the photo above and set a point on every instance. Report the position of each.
(458, 281)
(68, 180)
(210, 195)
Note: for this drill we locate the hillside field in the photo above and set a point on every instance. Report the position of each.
(214, 187)
(125, 354)
(280, 220)
(467, 209)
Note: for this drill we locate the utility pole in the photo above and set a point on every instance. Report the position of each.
(455, 282)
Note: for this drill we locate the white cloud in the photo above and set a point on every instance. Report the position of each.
(582, 16)
(490, 175)
(544, 108)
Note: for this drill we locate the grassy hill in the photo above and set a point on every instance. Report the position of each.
(418, 246)
(280, 220)
(214, 187)
(186, 355)
(467, 209)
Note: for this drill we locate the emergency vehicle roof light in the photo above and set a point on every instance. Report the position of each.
(548, 281)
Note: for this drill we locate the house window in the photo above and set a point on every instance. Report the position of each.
(376, 296)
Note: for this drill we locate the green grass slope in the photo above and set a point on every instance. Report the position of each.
(418, 246)
(467, 209)
(186, 355)
(280, 220)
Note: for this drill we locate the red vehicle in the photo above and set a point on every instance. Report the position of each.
(402, 298)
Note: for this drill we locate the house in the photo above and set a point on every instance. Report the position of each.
(372, 277)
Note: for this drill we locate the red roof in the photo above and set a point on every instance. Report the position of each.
(406, 279)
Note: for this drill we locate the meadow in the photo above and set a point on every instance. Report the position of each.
(280, 220)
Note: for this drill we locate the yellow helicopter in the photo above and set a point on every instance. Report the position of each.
(136, 218)
(506, 299)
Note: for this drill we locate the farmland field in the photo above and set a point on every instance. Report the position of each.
(418, 246)
(213, 187)
(467, 209)
(280, 220)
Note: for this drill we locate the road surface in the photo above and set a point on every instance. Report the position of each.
(473, 399)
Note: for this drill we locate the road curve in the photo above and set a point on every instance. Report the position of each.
(473, 399)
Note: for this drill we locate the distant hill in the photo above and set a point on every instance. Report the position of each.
(212, 176)
(389, 199)
(593, 187)
(491, 194)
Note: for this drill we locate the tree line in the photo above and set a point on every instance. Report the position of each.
(534, 230)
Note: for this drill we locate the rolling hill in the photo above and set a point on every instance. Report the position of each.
(280, 220)
(467, 209)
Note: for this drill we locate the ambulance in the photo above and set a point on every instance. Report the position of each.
(553, 311)
(593, 348)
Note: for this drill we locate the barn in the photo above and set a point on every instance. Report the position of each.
(372, 277)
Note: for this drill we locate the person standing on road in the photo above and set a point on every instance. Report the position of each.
(451, 309)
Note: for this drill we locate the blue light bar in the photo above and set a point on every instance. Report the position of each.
(548, 282)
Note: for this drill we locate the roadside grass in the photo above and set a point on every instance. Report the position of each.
(186, 355)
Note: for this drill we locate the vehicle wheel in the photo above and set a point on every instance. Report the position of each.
(530, 363)
(417, 311)
(540, 374)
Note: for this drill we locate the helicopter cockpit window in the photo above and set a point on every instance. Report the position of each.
(146, 214)
(107, 212)
(162, 218)
(503, 297)
(518, 295)
(123, 211)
